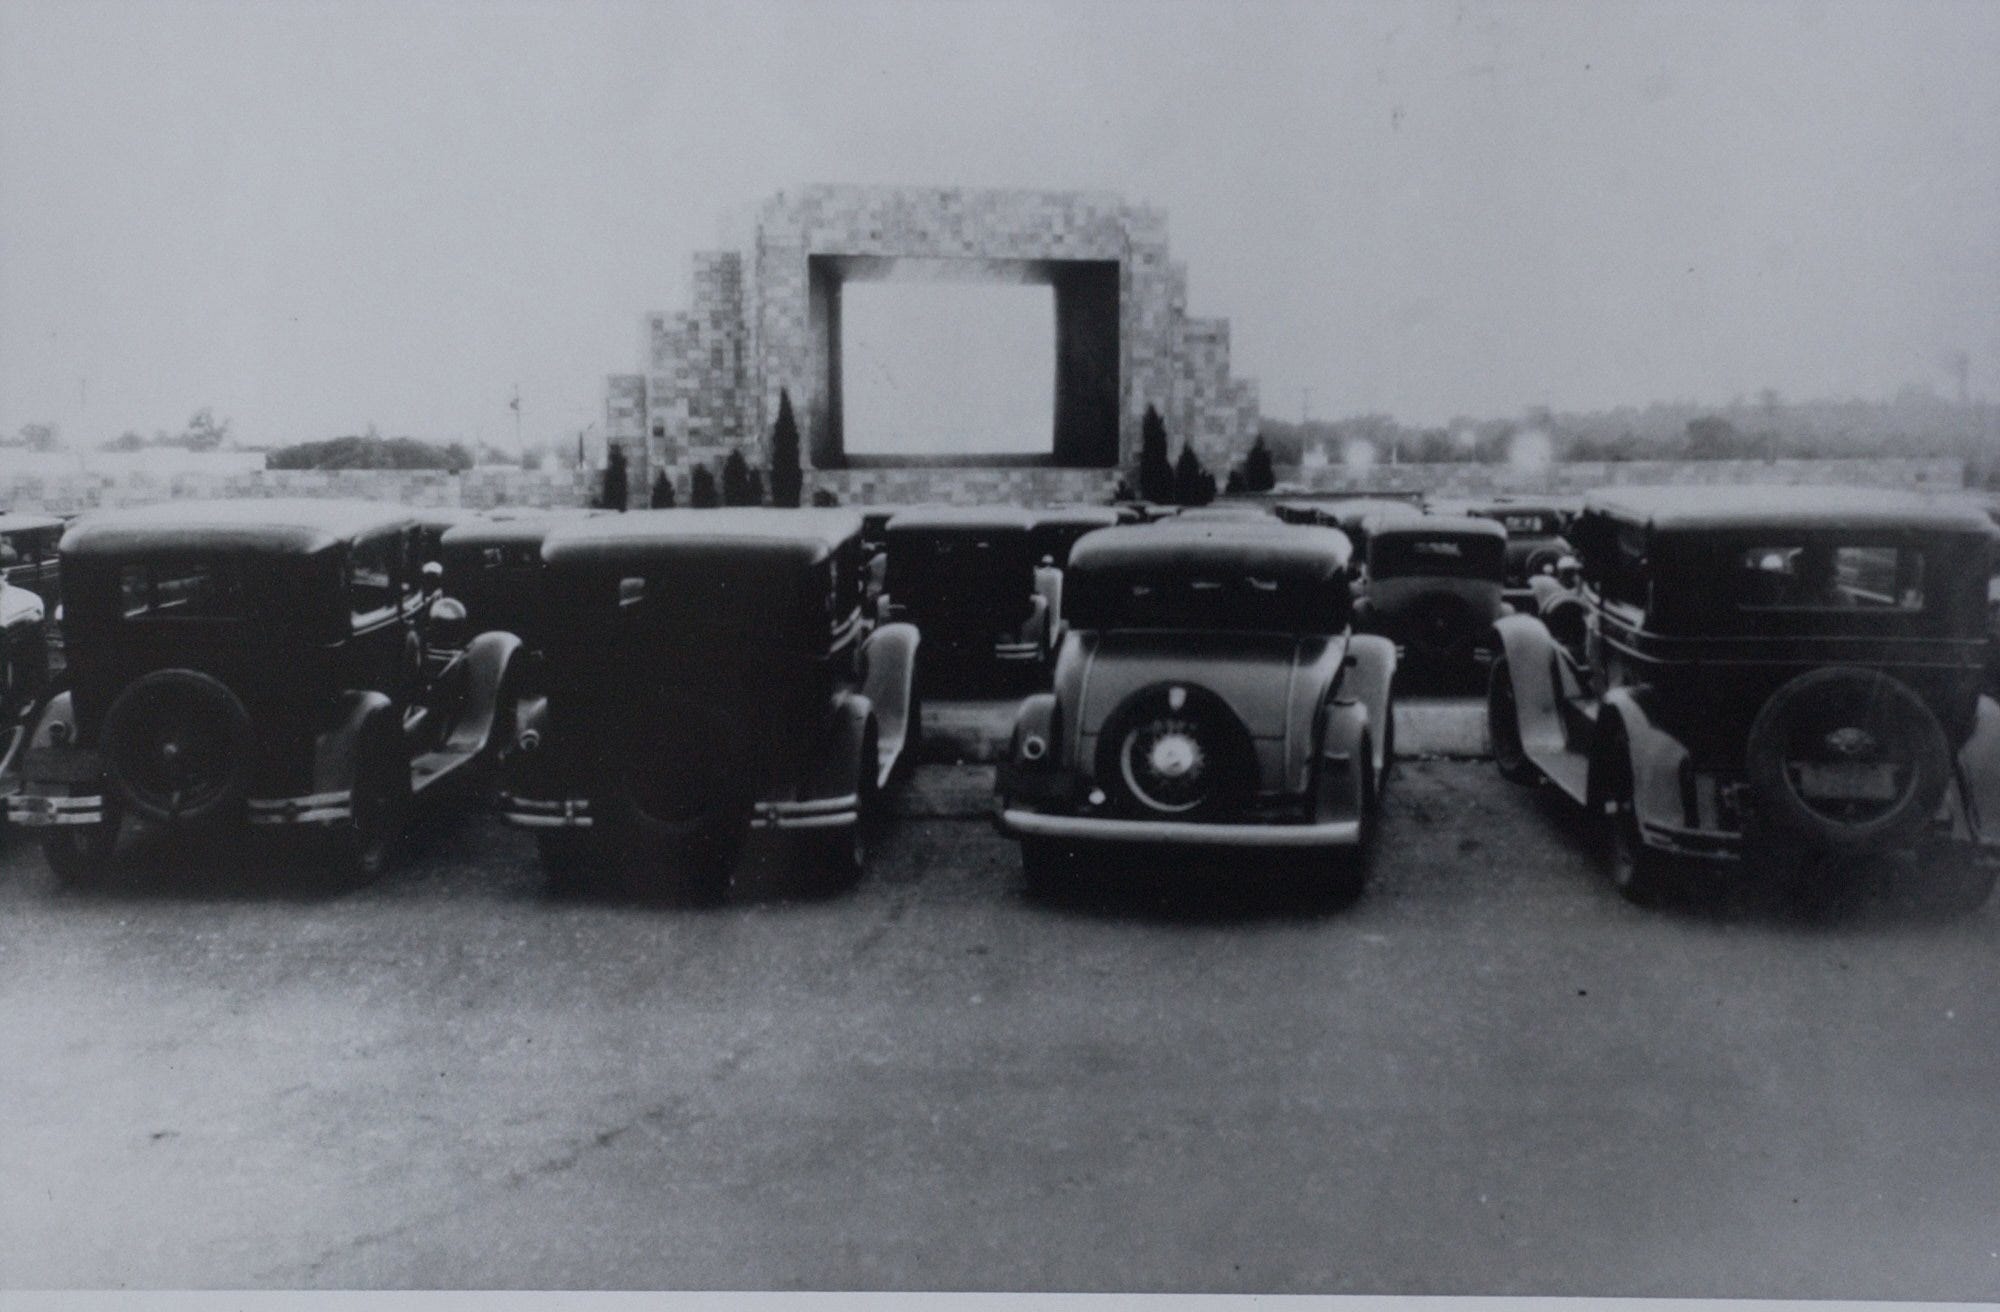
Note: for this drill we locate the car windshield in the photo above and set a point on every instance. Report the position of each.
(1393, 555)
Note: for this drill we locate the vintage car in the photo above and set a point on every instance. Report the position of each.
(1535, 541)
(429, 524)
(1351, 515)
(28, 550)
(253, 662)
(1768, 676)
(969, 579)
(492, 567)
(1056, 529)
(1209, 694)
(1432, 585)
(706, 673)
(24, 675)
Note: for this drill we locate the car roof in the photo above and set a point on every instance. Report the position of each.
(1297, 550)
(274, 525)
(1755, 507)
(922, 519)
(1229, 512)
(497, 532)
(1068, 515)
(23, 521)
(802, 537)
(1435, 526)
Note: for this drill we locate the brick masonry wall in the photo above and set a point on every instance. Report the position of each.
(1940, 474)
(714, 372)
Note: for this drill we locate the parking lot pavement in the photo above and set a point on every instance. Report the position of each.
(1487, 1075)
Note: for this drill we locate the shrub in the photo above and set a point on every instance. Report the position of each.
(786, 476)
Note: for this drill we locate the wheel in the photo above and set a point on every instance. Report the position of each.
(1176, 750)
(1503, 728)
(1848, 761)
(1638, 872)
(81, 854)
(364, 845)
(843, 852)
(1955, 879)
(177, 748)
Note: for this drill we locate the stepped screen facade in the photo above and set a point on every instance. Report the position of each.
(770, 318)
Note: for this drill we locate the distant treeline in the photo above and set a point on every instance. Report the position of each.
(1915, 423)
(371, 452)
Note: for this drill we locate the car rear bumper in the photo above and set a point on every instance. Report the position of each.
(312, 809)
(578, 813)
(41, 811)
(547, 812)
(1019, 823)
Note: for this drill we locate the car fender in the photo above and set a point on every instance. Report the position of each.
(359, 715)
(888, 681)
(1344, 736)
(1979, 772)
(55, 726)
(488, 672)
(1049, 587)
(1531, 654)
(1654, 755)
(837, 771)
(1367, 678)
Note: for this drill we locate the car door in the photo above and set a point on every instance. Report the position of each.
(384, 652)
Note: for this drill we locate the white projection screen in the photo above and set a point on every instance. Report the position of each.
(947, 369)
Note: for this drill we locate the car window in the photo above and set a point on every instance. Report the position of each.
(1440, 557)
(193, 590)
(373, 575)
(1520, 525)
(1821, 576)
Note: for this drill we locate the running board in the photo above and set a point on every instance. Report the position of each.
(431, 768)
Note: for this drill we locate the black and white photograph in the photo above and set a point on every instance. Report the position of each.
(1205, 647)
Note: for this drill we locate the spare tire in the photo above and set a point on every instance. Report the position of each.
(177, 747)
(1176, 751)
(1848, 760)
(1443, 628)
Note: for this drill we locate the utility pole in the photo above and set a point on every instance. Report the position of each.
(515, 406)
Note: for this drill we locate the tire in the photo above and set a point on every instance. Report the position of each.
(1639, 873)
(1830, 718)
(364, 846)
(1443, 631)
(1503, 728)
(843, 853)
(1176, 750)
(80, 855)
(177, 748)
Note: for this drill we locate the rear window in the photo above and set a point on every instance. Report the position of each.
(1238, 602)
(1526, 524)
(190, 589)
(1821, 576)
(1438, 557)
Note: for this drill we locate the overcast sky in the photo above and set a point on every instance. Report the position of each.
(312, 216)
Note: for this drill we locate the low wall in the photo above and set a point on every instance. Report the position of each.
(67, 492)
(1942, 474)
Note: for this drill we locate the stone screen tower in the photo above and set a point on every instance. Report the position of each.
(768, 318)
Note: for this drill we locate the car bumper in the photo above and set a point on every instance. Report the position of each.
(1019, 823)
(312, 809)
(41, 811)
(577, 813)
(547, 812)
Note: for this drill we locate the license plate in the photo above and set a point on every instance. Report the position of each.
(1848, 781)
(61, 765)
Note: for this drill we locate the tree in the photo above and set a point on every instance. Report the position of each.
(1235, 483)
(204, 432)
(787, 478)
(129, 440)
(1258, 475)
(1156, 474)
(615, 493)
(663, 491)
(41, 437)
(701, 489)
(360, 452)
(736, 479)
(824, 498)
(755, 489)
(1712, 438)
(1193, 485)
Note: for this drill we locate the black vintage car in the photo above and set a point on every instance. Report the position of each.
(1056, 529)
(1351, 515)
(708, 672)
(1209, 694)
(1433, 586)
(969, 579)
(1767, 677)
(1535, 540)
(254, 662)
(492, 567)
